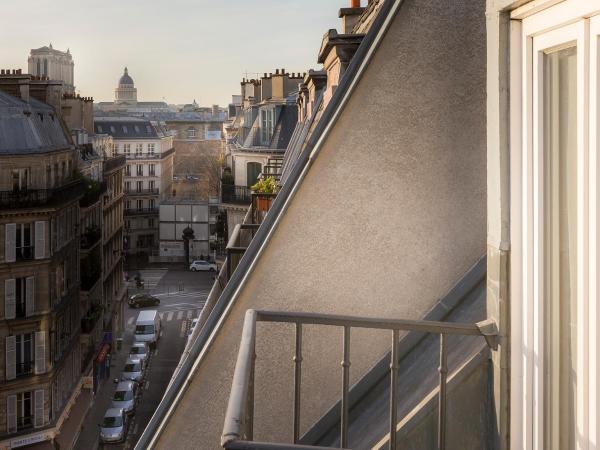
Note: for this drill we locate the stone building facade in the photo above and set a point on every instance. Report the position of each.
(53, 64)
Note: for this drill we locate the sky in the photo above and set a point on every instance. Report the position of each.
(175, 50)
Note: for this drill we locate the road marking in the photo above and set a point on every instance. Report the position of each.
(161, 315)
(169, 316)
(181, 294)
(189, 314)
(130, 321)
(179, 315)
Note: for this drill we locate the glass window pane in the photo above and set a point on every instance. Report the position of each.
(560, 244)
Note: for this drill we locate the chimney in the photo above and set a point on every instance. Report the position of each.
(350, 16)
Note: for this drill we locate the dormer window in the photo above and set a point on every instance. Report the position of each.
(112, 129)
(191, 132)
(124, 129)
(100, 130)
(136, 128)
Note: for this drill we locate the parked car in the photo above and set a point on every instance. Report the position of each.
(141, 300)
(140, 350)
(201, 265)
(125, 396)
(114, 426)
(133, 370)
(147, 327)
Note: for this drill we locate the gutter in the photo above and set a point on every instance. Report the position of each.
(207, 334)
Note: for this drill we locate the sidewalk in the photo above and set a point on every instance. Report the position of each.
(89, 436)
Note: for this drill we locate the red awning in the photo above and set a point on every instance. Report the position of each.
(102, 354)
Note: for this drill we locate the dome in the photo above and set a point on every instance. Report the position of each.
(126, 80)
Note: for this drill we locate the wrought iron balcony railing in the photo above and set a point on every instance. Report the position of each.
(25, 198)
(132, 191)
(239, 418)
(240, 195)
(24, 422)
(24, 368)
(141, 211)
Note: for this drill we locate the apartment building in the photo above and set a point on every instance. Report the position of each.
(148, 149)
(39, 270)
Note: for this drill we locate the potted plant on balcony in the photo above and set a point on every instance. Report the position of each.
(264, 186)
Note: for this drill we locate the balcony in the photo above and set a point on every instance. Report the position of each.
(24, 423)
(24, 368)
(90, 238)
(138, 156)
(41, 197)
(25, 253)
(134, 192)
(114, 163)
(237, 195)
(239, 418)
(141, 212)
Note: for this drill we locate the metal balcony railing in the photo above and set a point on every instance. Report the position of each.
(239, 419)
(134, 191)
(24, 422)
(41, 197)
(24, 253)
(141, 211)
(24, 368)
(240, 195)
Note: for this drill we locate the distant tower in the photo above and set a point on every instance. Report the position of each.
(54, 64)
(126, 93)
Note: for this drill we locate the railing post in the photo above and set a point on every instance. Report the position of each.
(443, 369)
(250, 407)
(297, 381)
(394, 367)
(345, 388)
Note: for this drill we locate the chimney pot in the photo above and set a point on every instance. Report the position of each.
(354, 3)
(276, 71)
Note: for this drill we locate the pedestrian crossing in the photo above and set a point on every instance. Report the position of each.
(174, 315)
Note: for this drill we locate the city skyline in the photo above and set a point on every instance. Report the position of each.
(145, 44)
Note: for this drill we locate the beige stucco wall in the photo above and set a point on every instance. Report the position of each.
(389, 217)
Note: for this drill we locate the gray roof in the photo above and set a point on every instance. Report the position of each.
(130, 128)
(29, 127)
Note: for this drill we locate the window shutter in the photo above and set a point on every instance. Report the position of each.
(11, 413)
(29, 296)
(10, 242)
(11, 354)
(38, 415)
(40, 240)
(40, 352)
(10, 300)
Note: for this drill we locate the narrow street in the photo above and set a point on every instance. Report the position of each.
(182, 294)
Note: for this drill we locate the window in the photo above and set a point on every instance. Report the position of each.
(20, 179)
(128, 170)
(554, 221)
(191, 133)
(136, 128)
(24, 411)
(100, 129)
(138, 149)
(151, 185)
(127, 204)
(151, 149)
(152, 169)
(19, 297)
(127, 149)
(140, 205)
(151, 203)
(150, 223)
(115, 150)
(24, 354)
(127, 186)
(253, 170)
(24, 242)
(112, 129)
(124, 129)
(139, 186)
(266, 130)
(140, 170)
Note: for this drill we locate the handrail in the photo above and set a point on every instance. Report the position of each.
(239, 418)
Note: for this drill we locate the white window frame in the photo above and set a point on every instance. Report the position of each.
(536, 30)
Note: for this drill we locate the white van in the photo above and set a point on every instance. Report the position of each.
(147, 327)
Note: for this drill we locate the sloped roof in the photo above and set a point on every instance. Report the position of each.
(354, 72)
(29, 127)
(130, 128)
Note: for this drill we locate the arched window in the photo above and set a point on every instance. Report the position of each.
(253, 170)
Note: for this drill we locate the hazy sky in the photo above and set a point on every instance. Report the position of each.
(178, 50)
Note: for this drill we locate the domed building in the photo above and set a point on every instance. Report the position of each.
(126, 100)
(126, 93)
